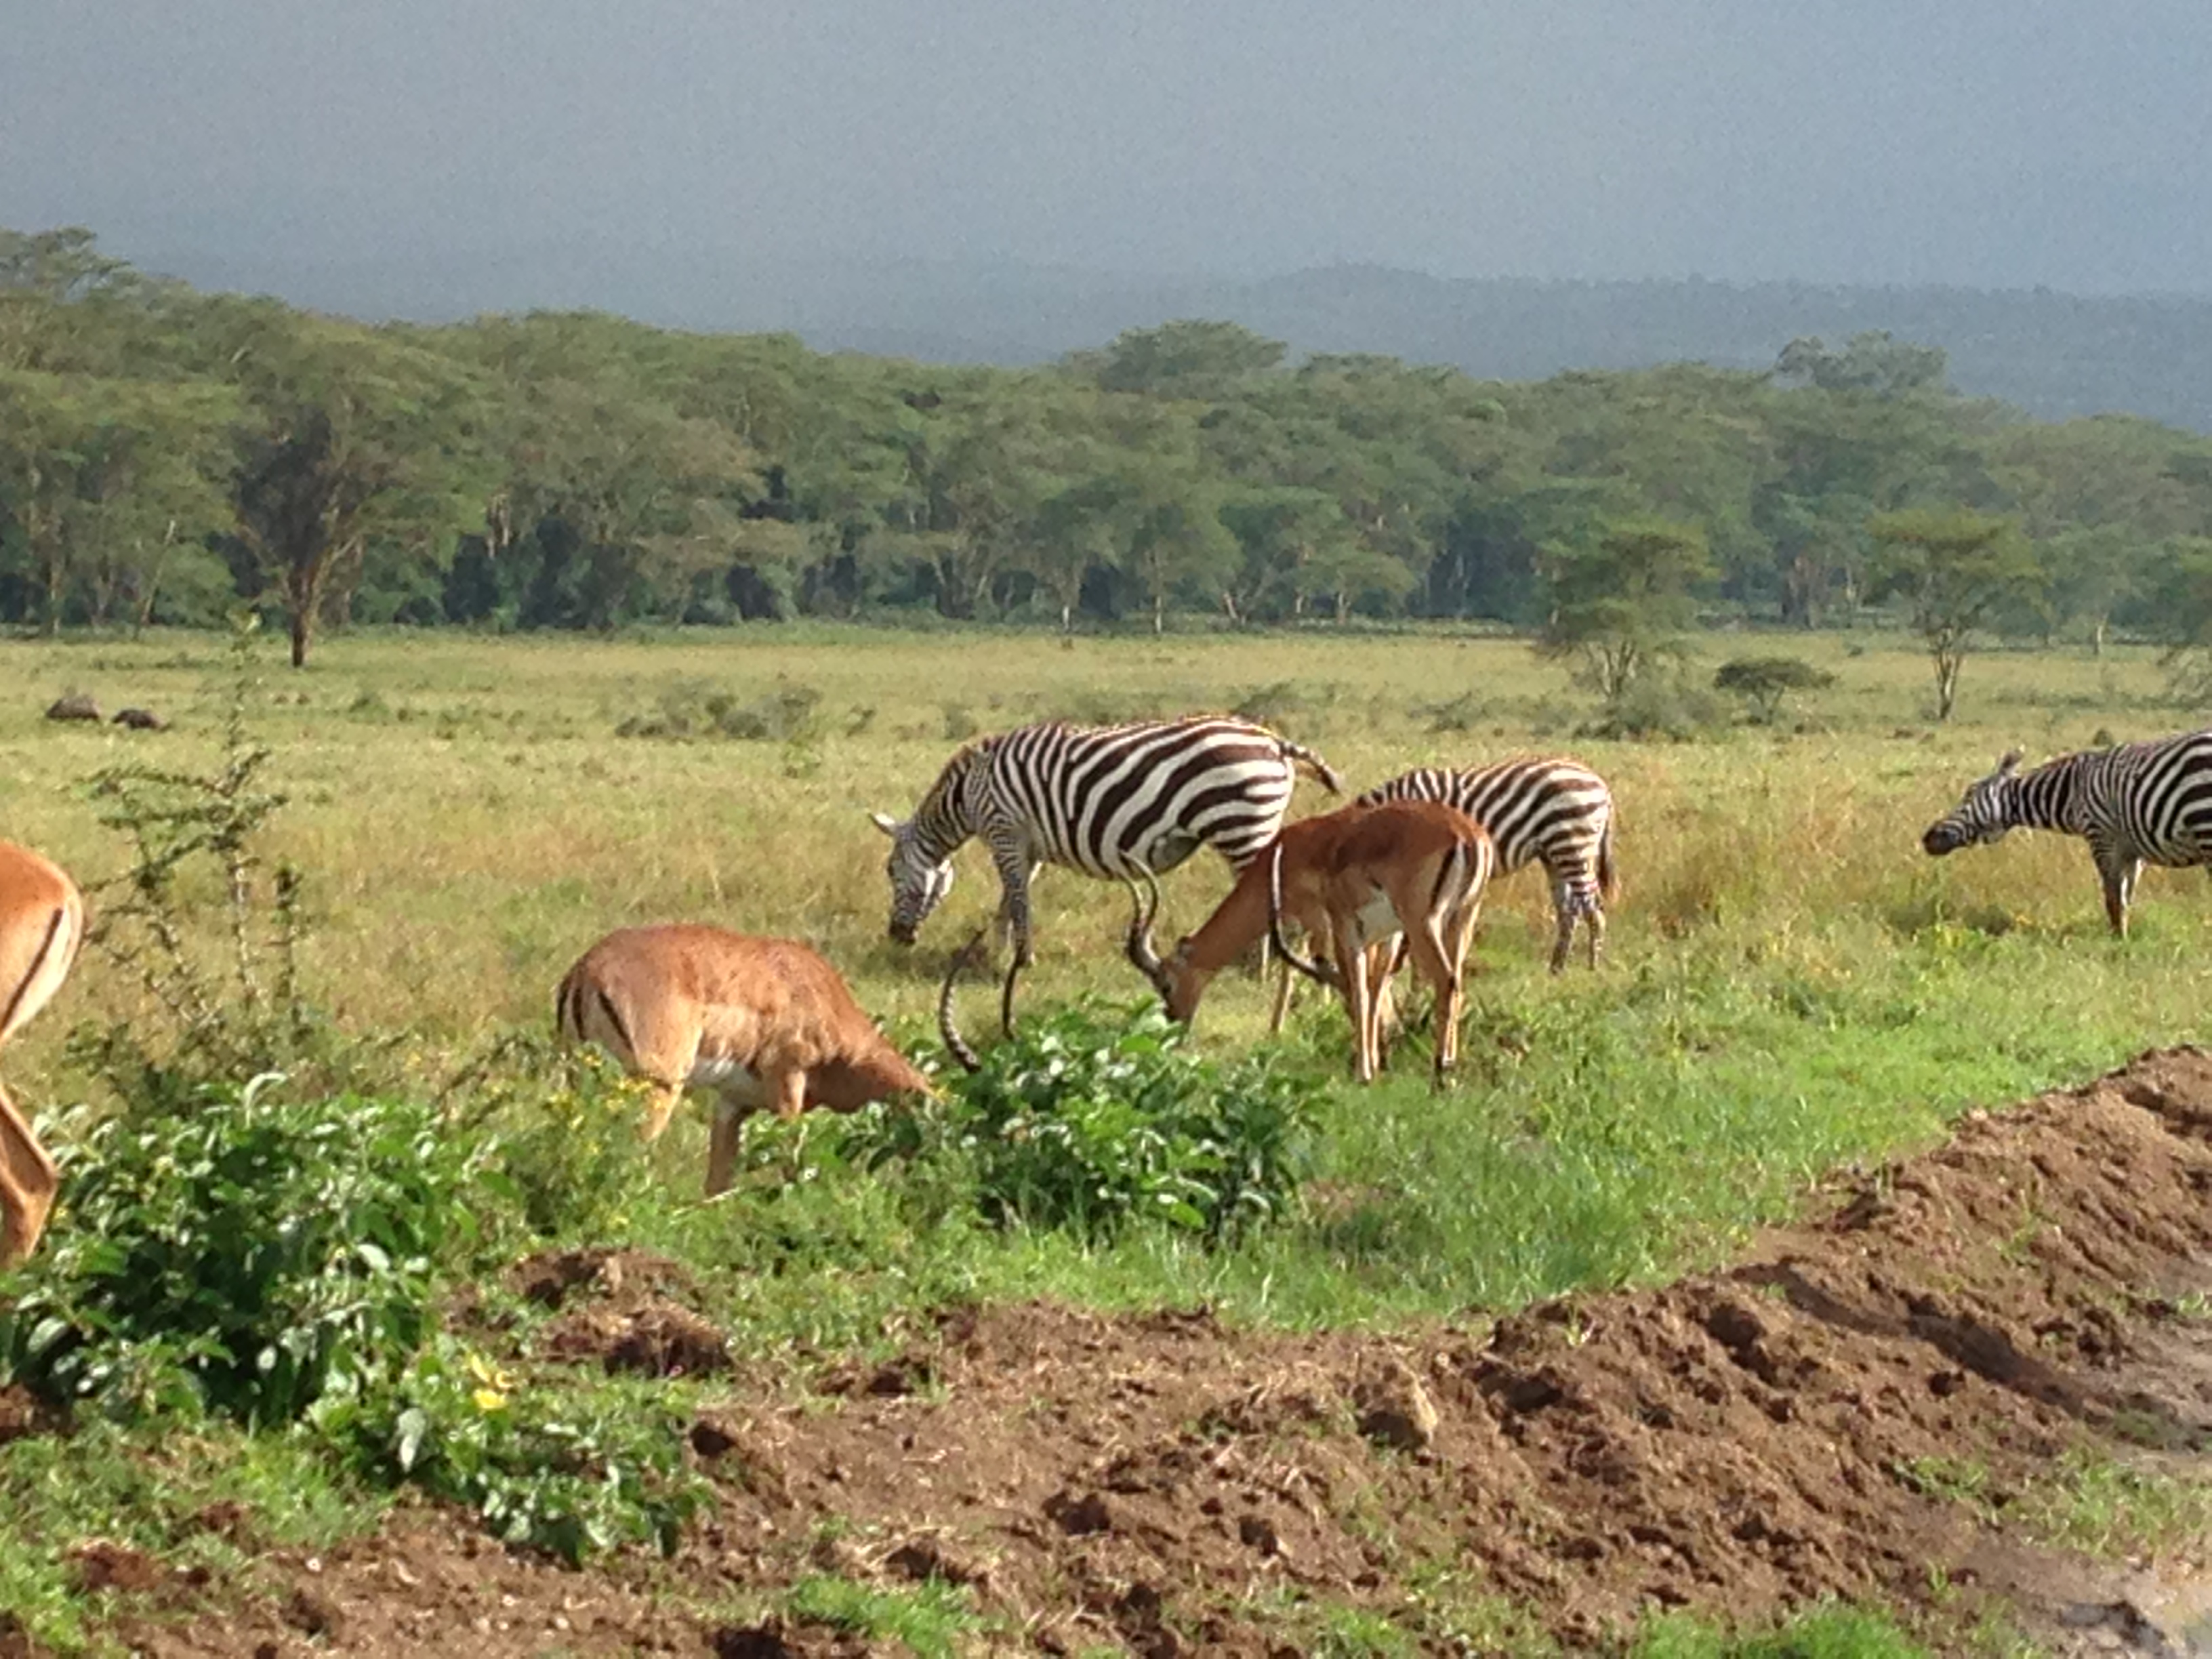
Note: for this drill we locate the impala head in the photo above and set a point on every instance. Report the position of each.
(918, 884)
(1179, 984)
(1980, 817)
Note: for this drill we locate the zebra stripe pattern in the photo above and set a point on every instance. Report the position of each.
(1113, 801)
(1556, 810)
(2137, 803)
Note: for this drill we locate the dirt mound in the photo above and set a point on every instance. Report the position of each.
(551, 1277)
(1740, 1441)
(620, 1317)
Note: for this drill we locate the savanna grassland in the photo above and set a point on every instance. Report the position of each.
(1790, 981)
(1790, 987)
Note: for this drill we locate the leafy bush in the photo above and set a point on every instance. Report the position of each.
(571, 1469)
(567, 1155)
(248, 1255)
(1656, 707)
(1092, 1119)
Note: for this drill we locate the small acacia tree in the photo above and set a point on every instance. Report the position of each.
(1622, 603)
(1956, 571)
(1762, 682)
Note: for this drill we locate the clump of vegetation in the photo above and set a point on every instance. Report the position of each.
(1095, 1119)
(1764, 682)
(241, 1253)
(1653, 707)
(568, 1469)
(690, 708)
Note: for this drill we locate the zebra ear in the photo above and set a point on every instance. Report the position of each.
(2010, 763)
(884, 821)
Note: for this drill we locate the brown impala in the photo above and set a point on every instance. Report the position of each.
(760, 1022)
(41, 924)
(1355, 879)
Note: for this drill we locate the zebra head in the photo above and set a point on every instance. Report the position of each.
(919, 884)
(1983, 817)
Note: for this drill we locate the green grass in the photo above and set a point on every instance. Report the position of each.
(932, 1620)
(156, 1497)
(2102, 1506)
(1828, 1632)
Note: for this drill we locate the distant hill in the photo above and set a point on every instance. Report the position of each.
(2053, 355)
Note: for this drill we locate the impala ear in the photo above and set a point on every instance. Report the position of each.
(884, 821)
(2010, 763)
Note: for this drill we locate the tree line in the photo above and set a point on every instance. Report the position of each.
(166, 454)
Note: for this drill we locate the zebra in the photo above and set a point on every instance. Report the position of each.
(1129, 801)
(2137, 803)
(1552, 809)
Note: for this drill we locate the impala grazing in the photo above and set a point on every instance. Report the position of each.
(2137, 803)
(41, 925)
(760, 1022)
(1357, 879)
(1129, 801)
(1550, 810)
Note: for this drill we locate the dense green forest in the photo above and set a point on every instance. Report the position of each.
(165, 453)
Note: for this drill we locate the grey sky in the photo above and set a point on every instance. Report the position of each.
(1991, 144)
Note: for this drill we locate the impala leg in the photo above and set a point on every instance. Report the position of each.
(28, 1181)
(1359, 1004)
(659, 1107)
(730, 1116)
(1281, 1010)
(1432, 960)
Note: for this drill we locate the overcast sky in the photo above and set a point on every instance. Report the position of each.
(1985, 142)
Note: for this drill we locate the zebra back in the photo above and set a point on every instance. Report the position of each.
(1110, 801)
(1551, 808)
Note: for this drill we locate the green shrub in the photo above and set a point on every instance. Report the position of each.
(566, 1154)
(247, 1255)
(1094, 1118)
(571, 1469)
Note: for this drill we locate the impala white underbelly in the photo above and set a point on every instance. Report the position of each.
(1376, 920)
(728, 1078)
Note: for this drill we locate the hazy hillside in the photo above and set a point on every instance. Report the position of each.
(2053, 354)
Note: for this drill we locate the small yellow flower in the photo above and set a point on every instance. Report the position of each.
(493, 1377)
(489, 1400)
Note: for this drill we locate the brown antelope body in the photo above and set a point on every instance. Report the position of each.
(41, 924)
(1357, 878)
(759, 1022)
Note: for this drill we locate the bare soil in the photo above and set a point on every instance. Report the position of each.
(1740, 1442)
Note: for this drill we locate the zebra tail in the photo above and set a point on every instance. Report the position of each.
(1609, 874)
(1323, 773)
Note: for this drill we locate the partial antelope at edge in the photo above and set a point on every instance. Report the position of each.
(1356, 881)
(757, 1021)
(41, 925)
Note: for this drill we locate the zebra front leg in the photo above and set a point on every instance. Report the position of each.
(1565, 912)
(1015, 870)
(2118, 873)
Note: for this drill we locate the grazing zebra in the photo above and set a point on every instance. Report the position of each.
(2140, 803)
(1109, 800)
(1554, 810)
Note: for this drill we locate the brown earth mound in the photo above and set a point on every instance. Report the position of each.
(1740, 1442)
